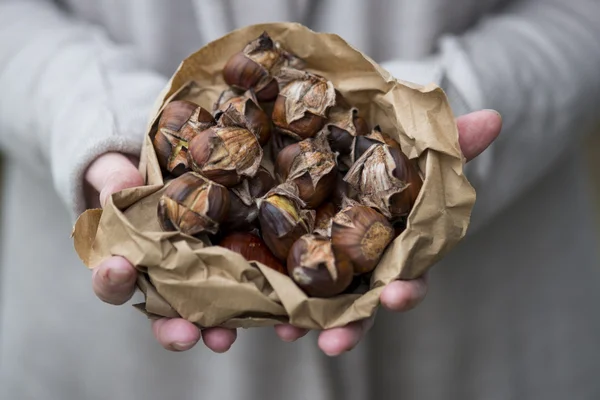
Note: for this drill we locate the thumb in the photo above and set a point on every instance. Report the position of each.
(112, 172)
(477, 131)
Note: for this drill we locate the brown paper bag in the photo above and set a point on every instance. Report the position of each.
(211, 286)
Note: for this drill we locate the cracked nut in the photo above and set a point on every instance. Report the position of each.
(193, 205)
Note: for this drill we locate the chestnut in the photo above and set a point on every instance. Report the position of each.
(283, 219)
(362, 143)
(385, 178)
(180, 121)
(311, 165)
(318, 268)
(363, 234)
(302, 104)
(243, 111)
(193, 205)
(252, 248)
(341, 191)
(256, 65)
(243, 211)
(280, 141)
(344, 124)
(225, 154)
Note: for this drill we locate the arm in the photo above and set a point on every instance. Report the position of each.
(538, 64)
(68, 94)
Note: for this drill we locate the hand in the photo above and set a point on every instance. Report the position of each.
(476, 132)
(114, 279)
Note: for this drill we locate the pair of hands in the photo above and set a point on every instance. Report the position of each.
(114, 280)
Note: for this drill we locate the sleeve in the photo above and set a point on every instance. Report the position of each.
(68, 95)
(537, 62)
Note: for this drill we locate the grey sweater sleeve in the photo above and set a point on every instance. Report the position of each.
(538, 63)
(68, 95)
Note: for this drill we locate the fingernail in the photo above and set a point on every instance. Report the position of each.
(493, 111)
(181, 346)
(118, 276)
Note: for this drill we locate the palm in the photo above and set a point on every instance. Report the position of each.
(114, 279)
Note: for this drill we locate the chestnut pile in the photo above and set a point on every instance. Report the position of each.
(284, 171)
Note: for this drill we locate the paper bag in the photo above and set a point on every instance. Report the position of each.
(211, 286)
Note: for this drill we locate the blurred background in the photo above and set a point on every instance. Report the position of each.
(593, 156)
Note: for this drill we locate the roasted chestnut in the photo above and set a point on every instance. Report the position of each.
(311, 165)
(283, 219)
(302, 104)
(243, 111)
(318, 268)
(363, 234)
(243, 211)
(225, 155)
(180, 121)
(252, 248)
(256, 65)
(192, 204)
(386, 180)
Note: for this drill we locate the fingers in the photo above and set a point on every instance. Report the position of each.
(404, 295)
(175, 334)
(336, 341)
(477, 130)
(219, 340)
(114, 280)
(111, 173)
(289, 333)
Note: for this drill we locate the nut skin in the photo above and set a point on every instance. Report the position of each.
(193, 205)
(324, 217)
(363, 234)
(243, 111)
(243, 212)
(283, 220)
(311, 165)
(252, 248)
(257, 65)
(180, 121)
(225, 155)
(303, 103)
(317, 268)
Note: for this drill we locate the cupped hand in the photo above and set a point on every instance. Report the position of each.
(477, 131)
(114, 279)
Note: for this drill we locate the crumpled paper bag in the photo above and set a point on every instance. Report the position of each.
(211, 286)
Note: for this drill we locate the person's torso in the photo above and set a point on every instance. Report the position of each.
(165, 32)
